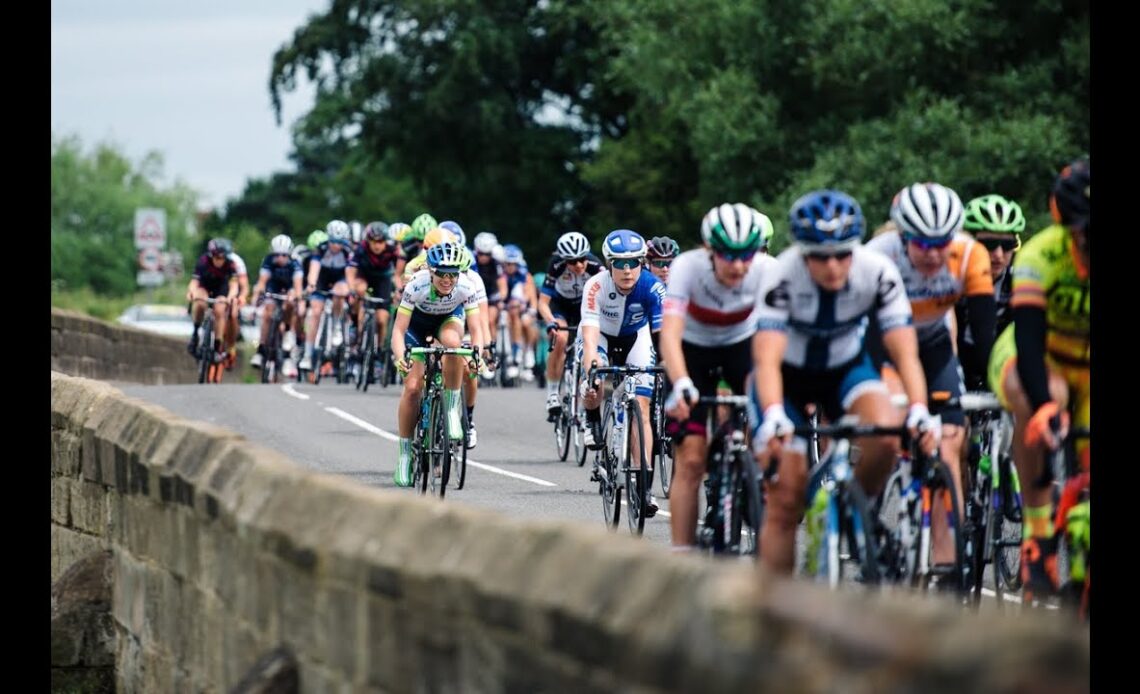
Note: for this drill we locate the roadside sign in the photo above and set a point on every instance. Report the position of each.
(150, 259)
(150, 278)
(150, 227)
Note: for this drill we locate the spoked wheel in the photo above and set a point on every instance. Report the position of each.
(849, 542)
(747, 510)
(441, 449)
(610, 486)
(938, 497)
(979, 513)
(637, 477)
(367, 347)
(459, 457)
(206, 353)
(1005, 533)
(562, 422)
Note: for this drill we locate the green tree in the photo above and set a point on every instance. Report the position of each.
(94, 195)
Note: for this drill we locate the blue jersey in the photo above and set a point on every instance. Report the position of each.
(280, 276)
(617, 314)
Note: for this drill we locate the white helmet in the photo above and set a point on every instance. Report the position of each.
(396, 231)
(357, 230)
(299, 252)
(485, 242)
(498, 253)
(572, 245)
(928, 210)
(281, 244)
(338, 231)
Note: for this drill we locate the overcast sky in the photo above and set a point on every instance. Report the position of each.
(188, 79)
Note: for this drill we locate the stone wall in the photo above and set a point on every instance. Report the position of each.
(223, 552)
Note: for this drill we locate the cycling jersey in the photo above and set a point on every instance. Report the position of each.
(477, 281)
(215, 280)
(561, 282)
(825, 328)
(373, 267)
(1046, 275)
(420, 295)
(715, 315)
(332, 267)
(490, 272)
(280, 276)
(516, 284)
(966, 272)
(617, 314)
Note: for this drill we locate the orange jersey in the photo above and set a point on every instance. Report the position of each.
(966, 272)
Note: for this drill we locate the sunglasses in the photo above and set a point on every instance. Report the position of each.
(446, 275)
(1007, 245)
(661, 264)
(280, 255)
(576, 261)
(824, 257)
(625, 263)
(927, 244)
(739, 255)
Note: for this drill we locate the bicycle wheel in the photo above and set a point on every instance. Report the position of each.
(899, 533)
(1005, 531)
(367, 345)
(206, 350)
(850, 536)
(747, 508)
(979, 512)
(562, 423)
(938, 497)
(634, 465)
(441, 447)
(662, 446)
(609, 487)
(459, 458)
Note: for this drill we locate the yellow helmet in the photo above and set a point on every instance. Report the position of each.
(438, 235)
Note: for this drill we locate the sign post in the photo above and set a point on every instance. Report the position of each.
(150, 240)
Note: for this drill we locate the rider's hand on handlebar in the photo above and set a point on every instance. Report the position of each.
(775, 430)
(1039, 430)
(926, 428)
(681, 398)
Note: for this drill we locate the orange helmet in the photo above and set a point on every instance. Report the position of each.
(436, 236)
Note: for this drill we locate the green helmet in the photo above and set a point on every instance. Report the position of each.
(735, 228)
(317, 238)
(422, 225)
(994, 214)
(468, 260)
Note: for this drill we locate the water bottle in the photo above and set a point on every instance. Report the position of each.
(619, 426)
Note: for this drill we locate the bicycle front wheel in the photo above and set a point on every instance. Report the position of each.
(206, 351)
(459, 459)
(441, 447)
(636, 473)
(938, 497)
(747, 508)
(608, 469)
(562, 423)
(850, 539)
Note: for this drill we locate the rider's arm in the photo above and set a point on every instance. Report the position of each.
(1029, 327)
(399, 328)
(475, 327)
(192, 289)
(672, 328)
(502, 282)
(981, 312)
(262, 279)
(233, 293)
(901, 343)
(768, 347)
(590, 326)
(297, 277)
(589, 344)
(314, 272)
(531, 292)
(350, 275)
(544, 308)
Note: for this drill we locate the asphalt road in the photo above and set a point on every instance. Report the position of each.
(337, 429)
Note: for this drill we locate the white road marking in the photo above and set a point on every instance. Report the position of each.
(660, 511)
(392, 437)
(288, 388)
(1013, 598)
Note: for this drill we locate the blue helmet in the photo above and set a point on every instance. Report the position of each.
(446, 256)
(827, 219)
(512, 254)
(623, 243)
(455, 229)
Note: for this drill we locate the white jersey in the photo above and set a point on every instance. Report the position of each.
(617, 314)
(825, 329)
(480, 287)
(420, 294)
(238, 263)
(715, 315)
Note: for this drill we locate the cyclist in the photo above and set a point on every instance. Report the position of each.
(1039, 368)
(471, 384)
(369, 272)
(495, 281)
(621, 315)
(522, 300)
(215, 276)
(412, 242)
(809, 348)
(709, 318)
(233, 331)
(939, 264)
(560, 303)
(996, 223)
(660, 252)
(436, 300)
(279, 274)
(327, 274)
